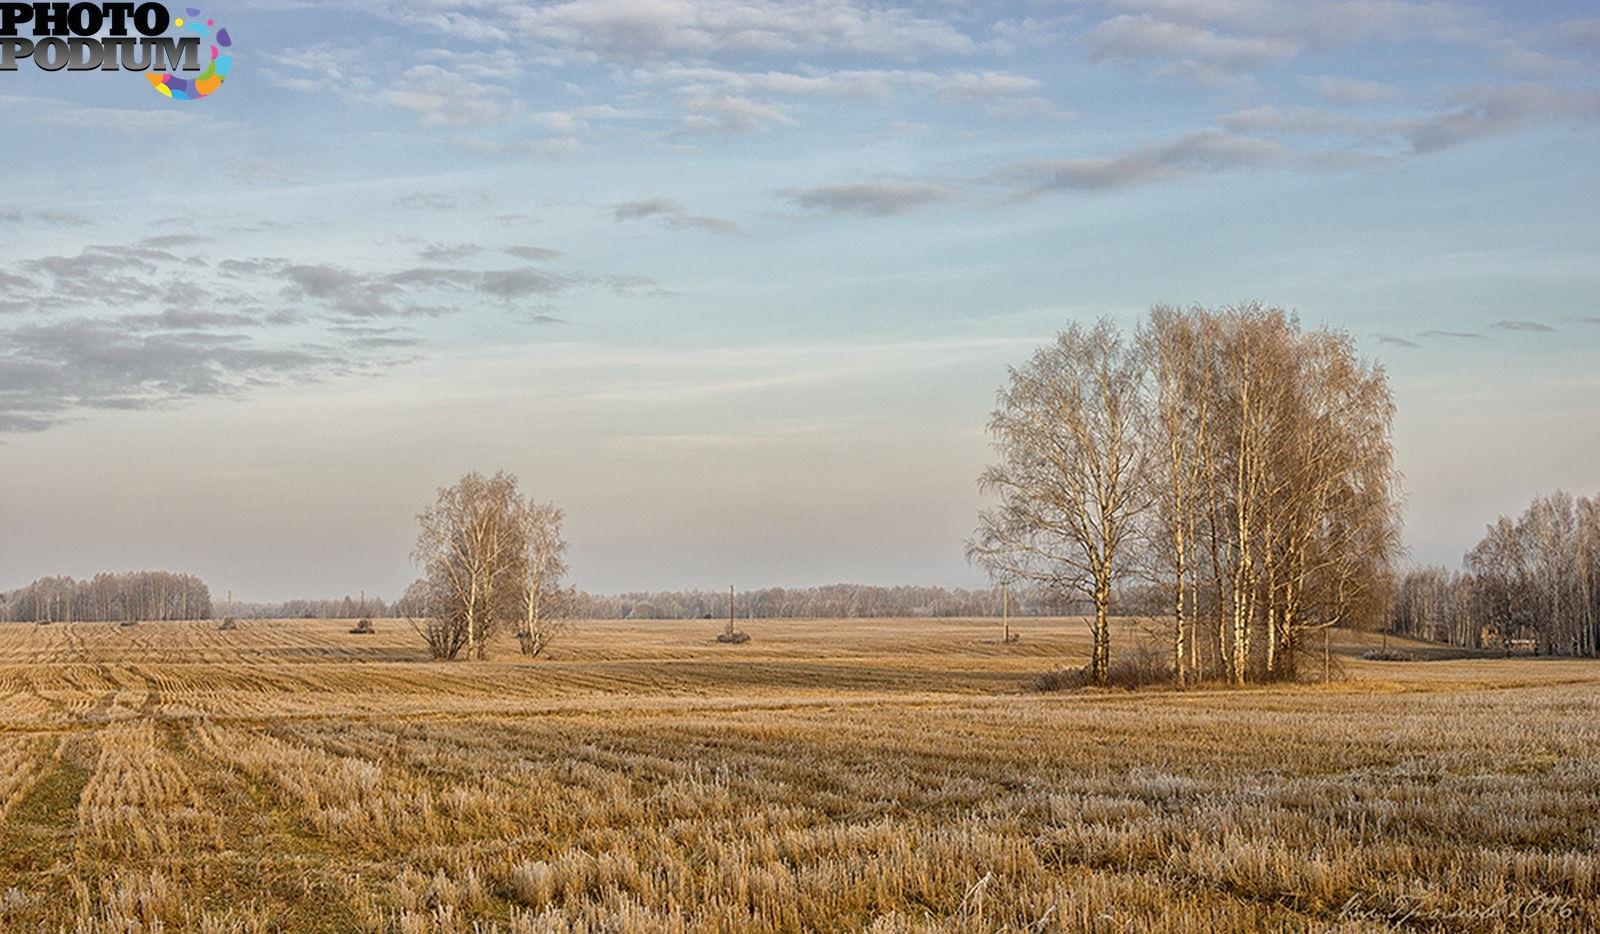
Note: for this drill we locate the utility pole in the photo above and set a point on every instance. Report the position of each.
(1005, 612)
(730, 611)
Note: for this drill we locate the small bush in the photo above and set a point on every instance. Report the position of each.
(1388, 655)
(1138, 667)
(734, 636)
(363, 628)
(228, 623)
(128, 622)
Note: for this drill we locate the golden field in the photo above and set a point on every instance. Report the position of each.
(830, 775)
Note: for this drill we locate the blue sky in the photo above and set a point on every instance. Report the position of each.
(735, 282)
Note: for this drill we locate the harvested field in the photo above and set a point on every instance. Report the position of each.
(833, 775)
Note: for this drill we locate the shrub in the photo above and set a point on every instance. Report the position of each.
(363, 628)
(1388, 655)
(1138, 667)
(228, 623)
(734, 636)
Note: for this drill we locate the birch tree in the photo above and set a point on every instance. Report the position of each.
(1068, 434)
(544, 601)
(471, 548)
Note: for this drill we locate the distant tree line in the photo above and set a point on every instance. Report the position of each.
(1242, 463)
(1532, 582)
(136, 595)
(833, 601)
(346, 607)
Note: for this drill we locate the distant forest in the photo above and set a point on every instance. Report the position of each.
(160, 595)
(135, 595)
(1531, 583)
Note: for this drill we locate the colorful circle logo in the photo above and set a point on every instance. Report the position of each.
(216, 71)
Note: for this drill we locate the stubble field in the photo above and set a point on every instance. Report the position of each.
(829, 775)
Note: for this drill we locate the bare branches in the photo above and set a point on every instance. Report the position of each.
(1246, 464)
(488, 557)
(1068, 434)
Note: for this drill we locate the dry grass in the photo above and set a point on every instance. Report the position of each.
(835, 775)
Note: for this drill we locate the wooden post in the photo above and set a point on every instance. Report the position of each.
(1005, 613)
(730, 611)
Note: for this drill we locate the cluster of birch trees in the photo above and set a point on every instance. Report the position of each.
(137, 595)
(490, 558)
(1532, 581)
(1239, 460)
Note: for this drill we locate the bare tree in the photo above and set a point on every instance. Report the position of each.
(471, 547)
(1179, 426)
(545, 603)
(1068, 433)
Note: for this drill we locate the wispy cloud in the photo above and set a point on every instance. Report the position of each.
(1492, 111)
(1181, 48)
(870, 199)
(1198, 153)
(673, 214)
(1524, 326)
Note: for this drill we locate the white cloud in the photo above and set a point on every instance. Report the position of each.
(1136, 40)
(644, 30)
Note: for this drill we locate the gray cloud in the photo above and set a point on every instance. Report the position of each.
(673, 214)
(1394, 341)
(441, 200)
(535, 254)
(1307, 120)
(46, 217)
(104, 274)
(11, 282)
(174, 319)
(453, 253)
(871, 199)
(508, 284)
(168, 241)
(1455, 335)
(1198, 153)
(1525, 326)
(145, 329)
(48, 371)
(1482, 112)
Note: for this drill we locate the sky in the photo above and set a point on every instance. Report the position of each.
(735, 282)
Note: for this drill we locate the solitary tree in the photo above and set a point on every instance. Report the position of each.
(471, 546)
(1068, 435)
